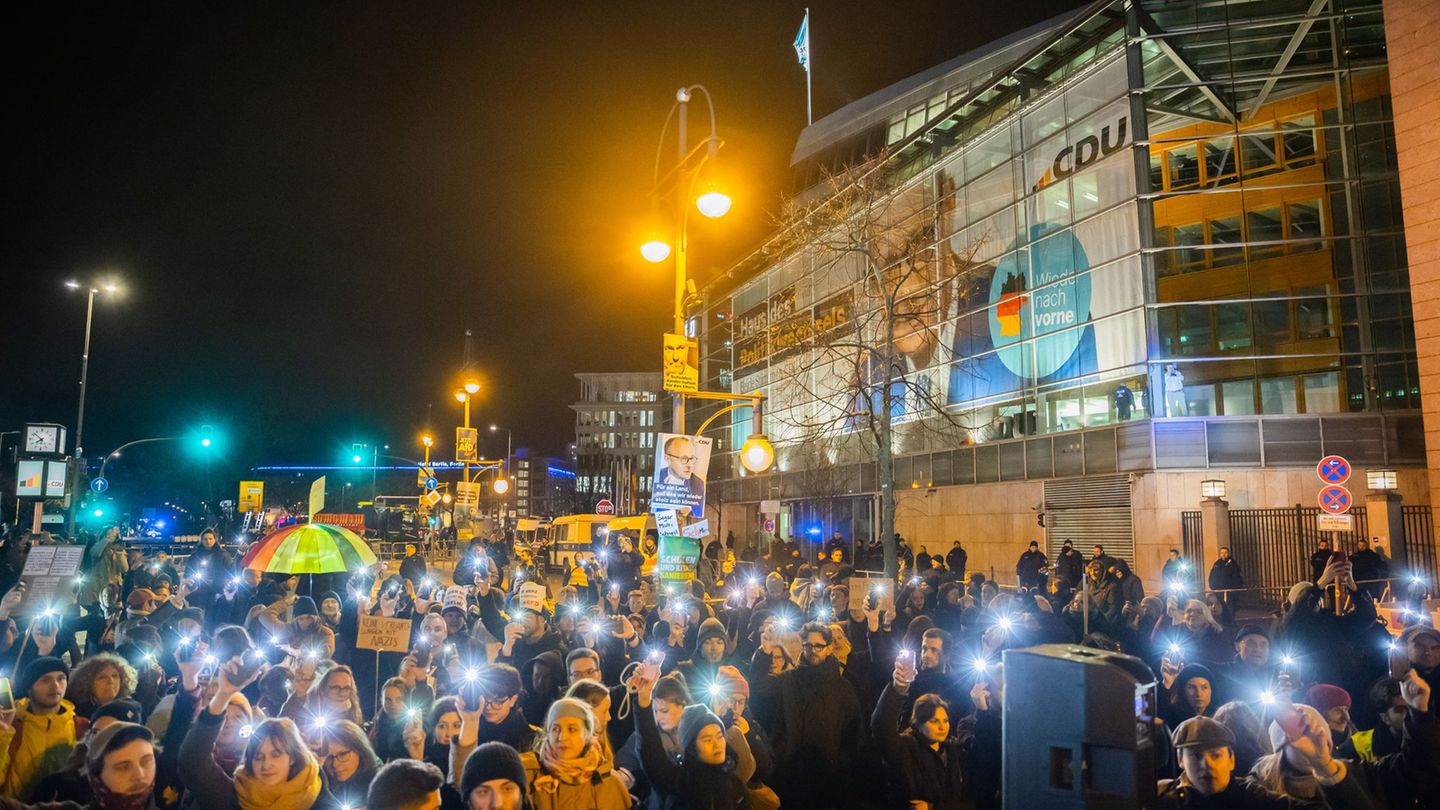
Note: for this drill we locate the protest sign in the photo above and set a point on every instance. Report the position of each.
(380, 633)
(681, 464)
(677, 558)
(531, 596)
(862, 587)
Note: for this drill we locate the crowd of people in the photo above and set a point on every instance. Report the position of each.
(778, 678)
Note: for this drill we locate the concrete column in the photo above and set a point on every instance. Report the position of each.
(1215, 526)
(1382, 514)
(1412, 27)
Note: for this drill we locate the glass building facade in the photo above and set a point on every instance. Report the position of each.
(1159, 211)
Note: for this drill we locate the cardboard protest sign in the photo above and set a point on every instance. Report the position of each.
(862, 587)
(383, 634)
(531, 596)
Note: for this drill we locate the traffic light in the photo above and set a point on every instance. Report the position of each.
(355, 455)
(207, 435)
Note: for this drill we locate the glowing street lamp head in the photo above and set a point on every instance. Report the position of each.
(501, 486)
(713, 203)
(655, 250)
(757, 454)
(472, 387)
(72, 284)
(460, 395)
(427, 440)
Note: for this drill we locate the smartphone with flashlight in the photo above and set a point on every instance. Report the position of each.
(250, 663)
(1399, 660)
(651, 668)
(7, 696)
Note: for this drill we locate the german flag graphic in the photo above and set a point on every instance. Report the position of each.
(1012, 299)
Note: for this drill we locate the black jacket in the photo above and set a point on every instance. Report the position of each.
(693, 784)
(1225, 574)
(815, 724)
(1241, 794)
(1030, 569)
(1070, 567)
(936, 778)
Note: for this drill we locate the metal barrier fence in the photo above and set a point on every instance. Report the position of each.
(1273, 546)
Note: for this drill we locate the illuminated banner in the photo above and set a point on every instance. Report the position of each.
(681, 464)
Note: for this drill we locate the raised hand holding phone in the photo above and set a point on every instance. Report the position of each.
(905, 672)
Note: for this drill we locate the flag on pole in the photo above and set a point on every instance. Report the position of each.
(802, 42)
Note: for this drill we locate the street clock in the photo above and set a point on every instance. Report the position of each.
(45, 439)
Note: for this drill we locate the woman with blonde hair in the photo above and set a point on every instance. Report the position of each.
(98, 680)
(277, 772)
(565, 769)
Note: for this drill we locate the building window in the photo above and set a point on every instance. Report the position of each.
(1226, 231)
(1257, 153)
(1184, 167)
(1305, 222)
(1299, 138)
(1265, 225)
(1220, 161)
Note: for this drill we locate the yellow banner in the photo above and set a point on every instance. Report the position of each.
(681, 364)
(317, 496)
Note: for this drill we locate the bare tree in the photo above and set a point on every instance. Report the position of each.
(864, 375)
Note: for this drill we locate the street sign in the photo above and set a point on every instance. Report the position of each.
(431, 484)
(1335, 523)
(769, 525)
(770, 507)
(1335, 500)
(432, 497)
(604, 506)
(1333, 470)
(252, 496)
(99, 485)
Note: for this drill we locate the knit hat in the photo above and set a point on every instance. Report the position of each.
(1191, 671)
(576, 708)
(1325, 696)
(455, 600)
(695, 717)
(1251, 630)
(492, 760)
(711, 628)
(37, 669)
(110, 738)
(304, 606)
(126, 711)
(731, 682)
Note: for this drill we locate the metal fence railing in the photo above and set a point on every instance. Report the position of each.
(1273, 546)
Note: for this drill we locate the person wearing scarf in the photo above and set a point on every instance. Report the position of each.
(277, 771)
(564, 769)
(120, 766)
(711, 771)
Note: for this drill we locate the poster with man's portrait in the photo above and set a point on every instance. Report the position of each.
(681, 464)
(681, 364)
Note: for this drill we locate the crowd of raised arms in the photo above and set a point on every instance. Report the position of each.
(756, 682)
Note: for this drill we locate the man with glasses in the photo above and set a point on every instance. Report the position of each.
(677, 484)
(813, 717)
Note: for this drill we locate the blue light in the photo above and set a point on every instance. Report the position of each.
(560, 472)
(813, 531)
(159, 524)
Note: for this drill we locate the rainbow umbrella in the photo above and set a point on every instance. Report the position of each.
(308, 548)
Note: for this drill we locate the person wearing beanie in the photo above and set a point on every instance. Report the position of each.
(1189, 694)
(45, 724)
(1333, 703)
(712, 648)
(1305, 768)
(565, 770)
(494, 779)
(306, 632)
(120, 765)
(71, 782)
(712, 768)
(140, 603)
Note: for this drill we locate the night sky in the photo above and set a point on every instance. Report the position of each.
(309, 205)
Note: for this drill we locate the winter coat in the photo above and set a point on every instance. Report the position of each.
(105, 564)
(1030, 570)
(955, 560)
(934, 777)
(1225, 575)
(1069, 567)
(693, 784)
(36, 745)
(204, 778)
(813, 716)
(1241, 794)
(604, 792)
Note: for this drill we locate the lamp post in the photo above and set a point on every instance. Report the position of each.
(110, 288)
(713, 203)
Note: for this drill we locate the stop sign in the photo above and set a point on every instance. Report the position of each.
(604, 507)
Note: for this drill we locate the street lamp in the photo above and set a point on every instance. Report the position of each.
(712, 203)
(110, 287)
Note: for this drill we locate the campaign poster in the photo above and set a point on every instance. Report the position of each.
(681, 364)
(681, 464)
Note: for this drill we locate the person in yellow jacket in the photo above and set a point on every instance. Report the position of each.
(37, 740)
